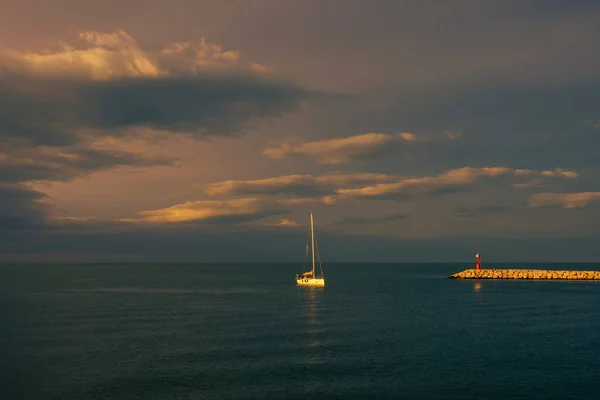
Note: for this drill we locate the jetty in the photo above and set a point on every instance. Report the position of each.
(540, 274)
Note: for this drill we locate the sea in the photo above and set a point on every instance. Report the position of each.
(246, 331)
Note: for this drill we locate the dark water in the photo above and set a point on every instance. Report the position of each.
(247, 332)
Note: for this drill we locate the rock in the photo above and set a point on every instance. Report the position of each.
(526, 274)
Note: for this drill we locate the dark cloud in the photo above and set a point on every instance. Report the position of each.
(525, 126)
(198, 244)
(23, 208)
(204, 105)
(535, 127)
(474, 212)
(371, 220)
(20, 208)
(51, 111)
(61, 164)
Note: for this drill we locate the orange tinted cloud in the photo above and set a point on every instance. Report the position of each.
(288, 223)
(334, 187)
(106, 55)
(238, 210)
(298, 185)
(564, 200)
(343, 150)
(447, 181)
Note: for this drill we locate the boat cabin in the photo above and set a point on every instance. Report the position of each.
(307, 274)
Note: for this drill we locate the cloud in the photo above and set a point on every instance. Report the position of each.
(212, 212)
(192, 56)
(286, 223)
(564, 200)
(473, 212)
(344, 150)
(294, 185)
(25, 168)
(19, 164)
(62, 109)
(371, 220)
(47, 98)
(104, 56)
(20, 208)
(197, 243)
(334, 187)
(448, 182)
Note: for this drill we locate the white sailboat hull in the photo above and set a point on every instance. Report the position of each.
(310, 281)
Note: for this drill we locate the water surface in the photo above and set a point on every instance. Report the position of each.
(246, 331)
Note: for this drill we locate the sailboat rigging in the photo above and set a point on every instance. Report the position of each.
(310, 278)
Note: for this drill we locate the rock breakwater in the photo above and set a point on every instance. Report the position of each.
(542, 274)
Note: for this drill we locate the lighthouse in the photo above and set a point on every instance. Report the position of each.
(478, 258)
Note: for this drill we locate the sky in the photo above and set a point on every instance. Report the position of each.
(208, 130)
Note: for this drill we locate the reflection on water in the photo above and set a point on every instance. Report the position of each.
(477, 286)
(312, 298)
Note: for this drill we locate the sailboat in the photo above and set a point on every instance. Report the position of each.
(310, 278)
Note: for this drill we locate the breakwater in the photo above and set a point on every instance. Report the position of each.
(541, 274)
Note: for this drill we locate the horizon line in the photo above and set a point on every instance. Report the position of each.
(491, 263)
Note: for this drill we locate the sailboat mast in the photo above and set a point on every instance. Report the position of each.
(312, 241)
